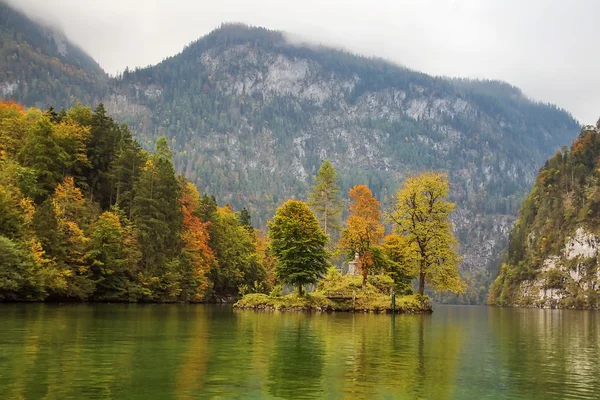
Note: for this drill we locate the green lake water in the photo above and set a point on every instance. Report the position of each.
(201, 351)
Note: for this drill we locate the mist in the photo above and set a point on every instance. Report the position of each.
(545, 47)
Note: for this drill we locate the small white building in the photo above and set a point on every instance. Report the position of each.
(353, 266)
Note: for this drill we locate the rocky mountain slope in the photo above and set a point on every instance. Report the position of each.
(250, 118)
(39, 66)
(552, 259)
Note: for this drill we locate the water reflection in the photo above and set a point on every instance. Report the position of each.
(549, 353)
(185, 351)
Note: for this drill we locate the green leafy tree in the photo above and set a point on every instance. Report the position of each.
(115, 254)
(324, 199)
(422, 216)
(235, 251)
(299, 243)
(43, 154)
(13, 270)
(394, 247)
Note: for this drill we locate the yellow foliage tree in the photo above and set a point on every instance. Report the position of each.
(69, 207)
(364, 229)
(422, 215)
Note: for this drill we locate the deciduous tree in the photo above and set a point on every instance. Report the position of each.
(299, 243)
(69, 208)
(422, 215)
(195, 240)
(237, 262)
(364, 229)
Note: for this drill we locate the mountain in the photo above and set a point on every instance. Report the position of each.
(552, 258)
(39, 66)
(250, 117)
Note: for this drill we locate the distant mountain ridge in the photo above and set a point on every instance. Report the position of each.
(40, 66)
(250, 117)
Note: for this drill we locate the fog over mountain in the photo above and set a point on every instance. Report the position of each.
(515, 41)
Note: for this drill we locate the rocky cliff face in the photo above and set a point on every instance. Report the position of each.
(568, 279)
(552, 260)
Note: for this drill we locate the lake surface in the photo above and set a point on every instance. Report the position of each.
(201, 351)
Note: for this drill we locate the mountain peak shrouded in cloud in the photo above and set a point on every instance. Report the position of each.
(40, 66)
(538, 45)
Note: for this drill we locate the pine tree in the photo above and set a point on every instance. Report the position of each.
(125, 171)
(324, 199)
(245, 219)
(157, 211)
(102, 149)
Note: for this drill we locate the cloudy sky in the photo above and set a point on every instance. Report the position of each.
(548, 48)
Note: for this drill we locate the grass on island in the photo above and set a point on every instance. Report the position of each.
(336, 292)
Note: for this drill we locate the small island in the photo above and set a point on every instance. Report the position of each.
(337, 292)
(379, 279)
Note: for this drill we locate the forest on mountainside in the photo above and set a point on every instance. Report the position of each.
(553, 247)
(40, 67)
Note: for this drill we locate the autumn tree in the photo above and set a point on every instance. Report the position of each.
(324, 199)
(299, 243)
(421, 216)
(266, 258)
(69, 208)
(195, 241)
(13, 128)
(394, 248)
(364, 229)
(114, 255)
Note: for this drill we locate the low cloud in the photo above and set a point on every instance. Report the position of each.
(545, 47)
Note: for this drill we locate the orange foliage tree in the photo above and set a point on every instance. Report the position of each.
(195, 238)
(12, 127)
(364, 229)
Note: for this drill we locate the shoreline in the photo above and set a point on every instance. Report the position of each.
(317, 302)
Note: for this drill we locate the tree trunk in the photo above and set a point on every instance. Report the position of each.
(325, 229)
(300, 290)
(421, 283)
(364, 285)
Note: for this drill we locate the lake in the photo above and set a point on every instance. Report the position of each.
(205, 351)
